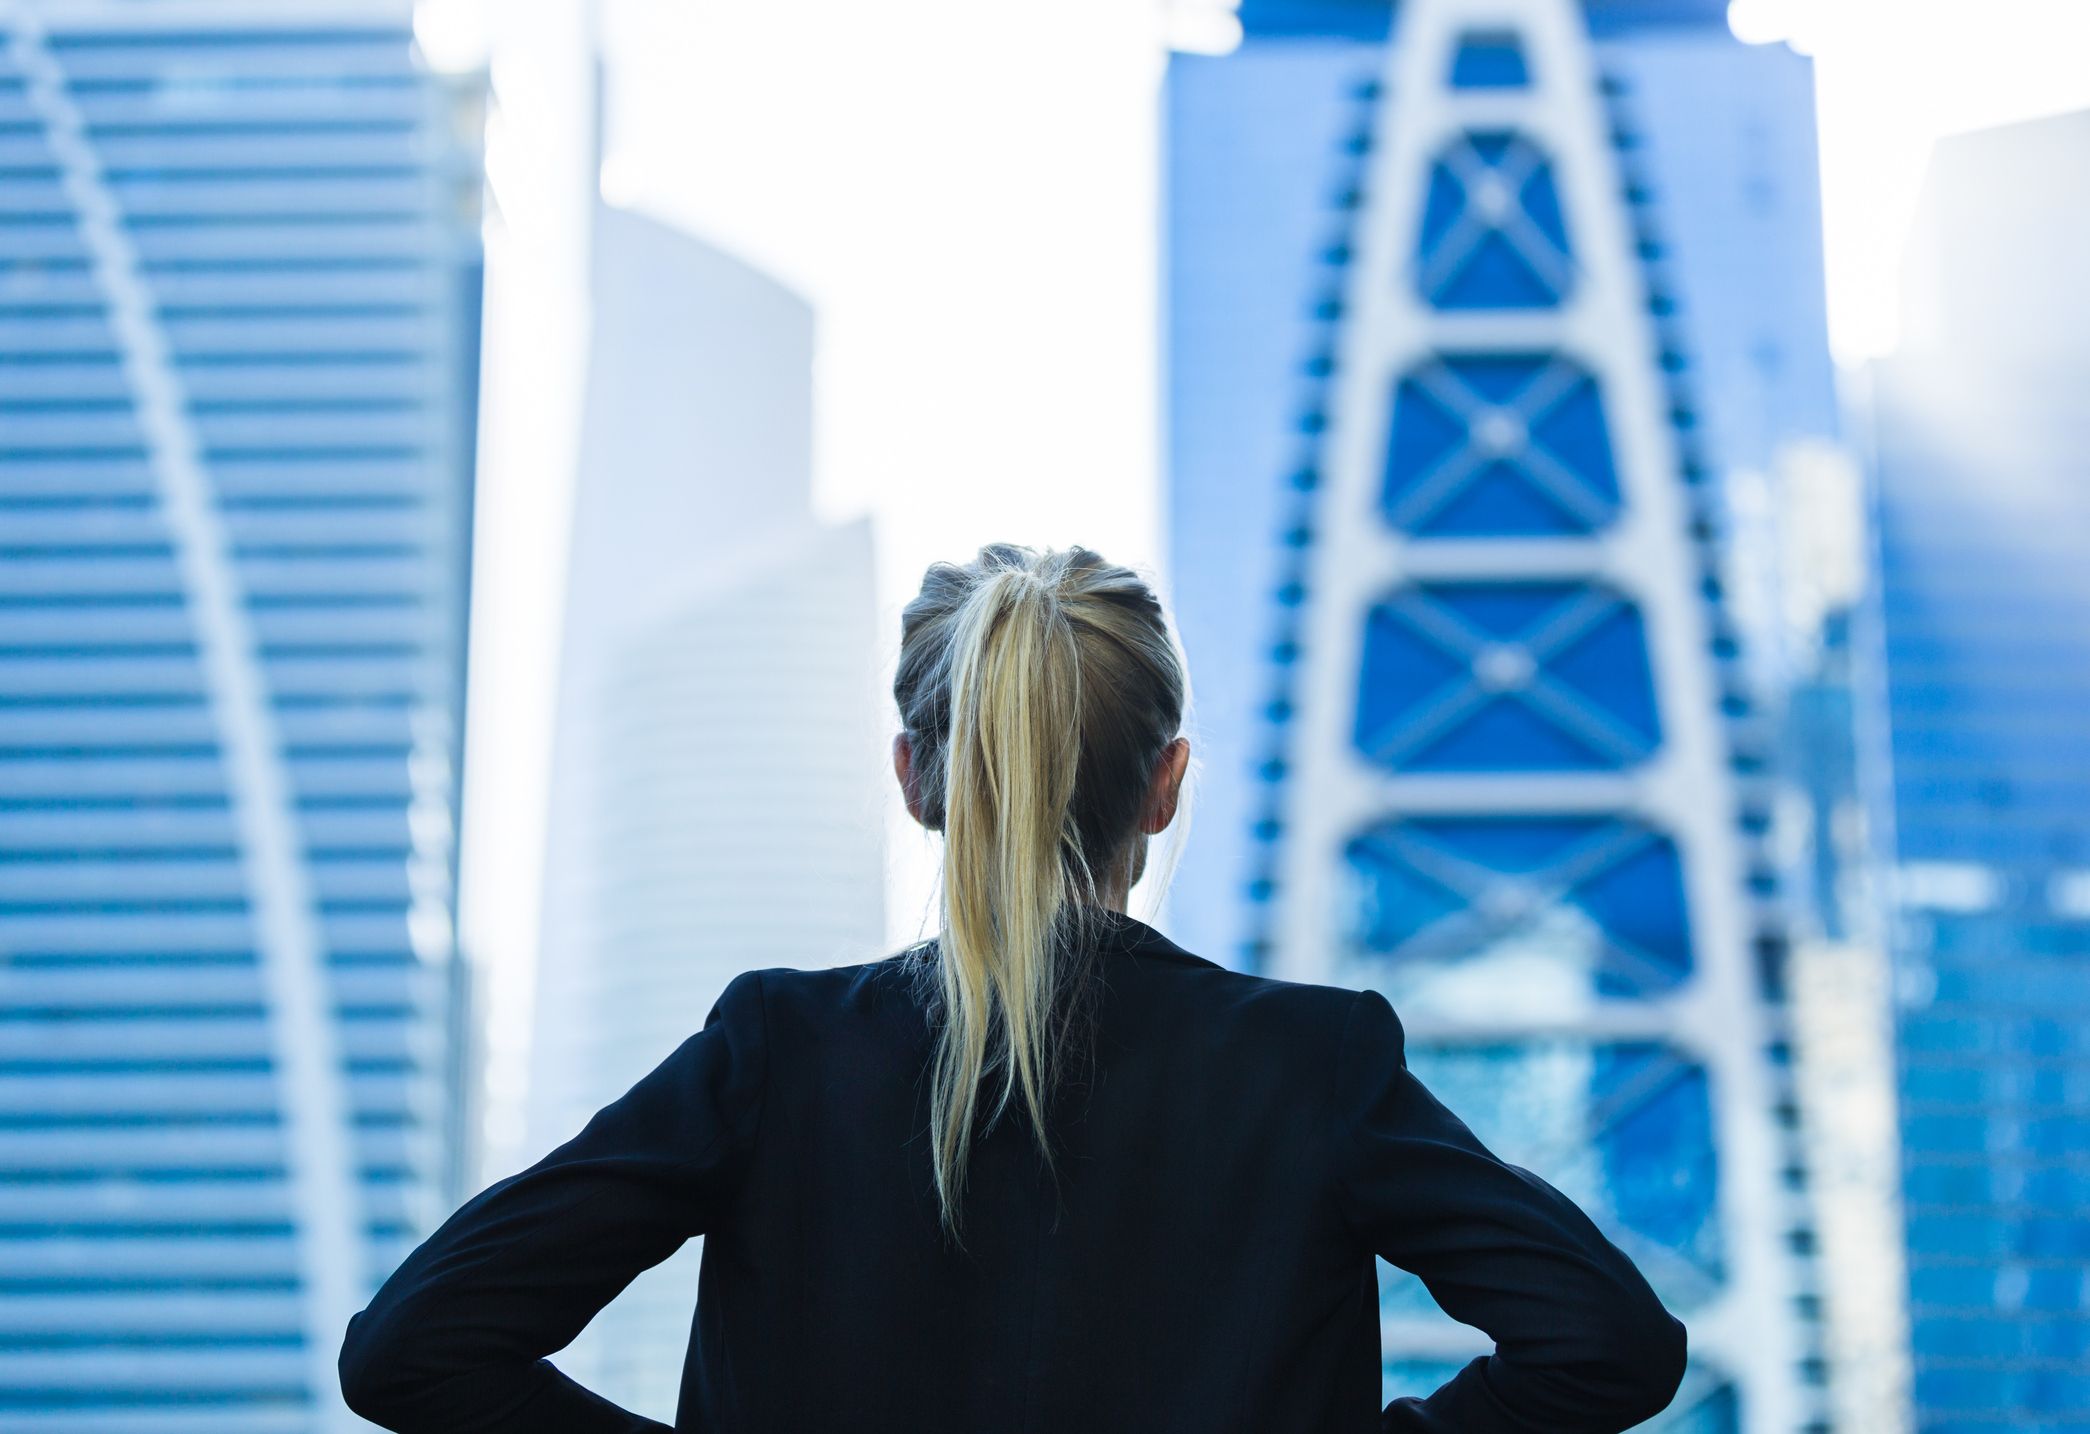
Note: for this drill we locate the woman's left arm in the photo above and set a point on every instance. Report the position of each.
(456, 1339)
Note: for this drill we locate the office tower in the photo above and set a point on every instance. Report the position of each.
(238, 338)
(718, 780)
(1473, 309)
(1722, 135)
(1982, 443)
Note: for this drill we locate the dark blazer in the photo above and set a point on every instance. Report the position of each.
(1228, 1163)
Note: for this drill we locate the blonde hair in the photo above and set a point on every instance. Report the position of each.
(1038, 691)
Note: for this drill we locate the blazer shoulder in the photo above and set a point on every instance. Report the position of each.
(1304, 1000)
(805, 991)
(1305, 1010)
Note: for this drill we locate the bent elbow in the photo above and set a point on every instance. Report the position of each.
(1629, 1366)
(368, 1370)
(1668, 1358)
(1651, 1360)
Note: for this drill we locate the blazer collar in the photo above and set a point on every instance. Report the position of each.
(1131, 935)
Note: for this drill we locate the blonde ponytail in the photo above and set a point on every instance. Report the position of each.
(1038, 691)
(1010, 765)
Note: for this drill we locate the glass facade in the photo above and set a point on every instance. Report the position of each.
(1983, 621)
(1266, 154)
(238, 317)
(1488, 444)
(1451, 376)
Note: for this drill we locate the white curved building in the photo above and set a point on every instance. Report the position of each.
(718, 776)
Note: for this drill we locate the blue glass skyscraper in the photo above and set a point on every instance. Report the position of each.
(1982, 443)
(238, 317)
(1722, 135)
(1471, 310)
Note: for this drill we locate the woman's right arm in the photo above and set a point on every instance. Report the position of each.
(456, 1340)
(1582, 1344)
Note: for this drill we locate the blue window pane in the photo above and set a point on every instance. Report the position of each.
(1502, 445)
(1490, 60)
(1493, 235)
(1623, 1129)
(1599, 898)
(1657, 1147)
(1505, 677)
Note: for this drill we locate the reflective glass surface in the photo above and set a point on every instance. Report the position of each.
(1493, 236)
(1505, 677)
(1499, 445)
(1458, 910)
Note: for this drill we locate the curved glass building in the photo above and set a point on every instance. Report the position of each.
(238, 317)
(1473, 306)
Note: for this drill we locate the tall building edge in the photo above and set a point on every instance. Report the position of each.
(236, 369)
(460, 109)
(1531, 455)
(1978, 623)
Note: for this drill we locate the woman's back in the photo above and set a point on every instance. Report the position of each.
(1134, 1286)
(1229, 1154)
(1048, 1172)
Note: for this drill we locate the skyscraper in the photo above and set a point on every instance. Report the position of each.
(718, 785)
(1982, 444)
(1721, 135)
(238, 304)
(1472, 311)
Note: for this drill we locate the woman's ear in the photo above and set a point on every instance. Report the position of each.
(1167, 786)
(903, 768)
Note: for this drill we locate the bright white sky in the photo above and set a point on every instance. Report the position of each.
(1891, 77)
(966, 191)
